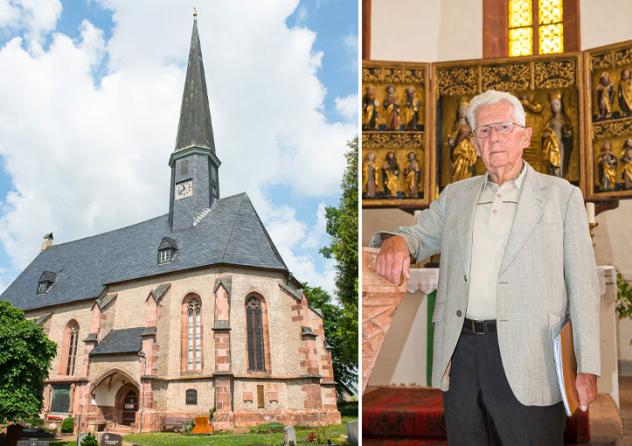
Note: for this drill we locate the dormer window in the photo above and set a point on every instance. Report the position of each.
(45, 282)
(167, 250)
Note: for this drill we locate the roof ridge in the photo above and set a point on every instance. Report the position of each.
(265, 231)
(232, 230)
(103, 233)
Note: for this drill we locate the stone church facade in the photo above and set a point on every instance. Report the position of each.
(164, 320)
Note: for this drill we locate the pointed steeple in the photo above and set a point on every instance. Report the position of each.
(194, 128)
(194, 164)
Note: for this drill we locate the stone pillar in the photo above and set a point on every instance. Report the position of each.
(380, 299)
(223, 378)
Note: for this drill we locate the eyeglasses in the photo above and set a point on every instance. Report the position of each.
(504, 128)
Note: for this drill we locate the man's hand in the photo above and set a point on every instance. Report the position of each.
(393, 260)
(586, 389)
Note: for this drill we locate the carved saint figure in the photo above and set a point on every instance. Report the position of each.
(462, 151)
(390, 175)
(391, 109)
(624, 92)
(369, 109)
(557, 139)
(411, 113)
(626, 161)
(369, 175)
(605, 96)
(607, 167)
(412, 175)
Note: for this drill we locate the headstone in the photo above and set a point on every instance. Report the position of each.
(202, 426)
(110, 439)
(352, 432)
(14, 433)
(289, 435)
(32, 442)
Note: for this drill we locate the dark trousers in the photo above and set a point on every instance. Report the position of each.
(480, 407)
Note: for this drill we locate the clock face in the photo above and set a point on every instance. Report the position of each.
(184, 189)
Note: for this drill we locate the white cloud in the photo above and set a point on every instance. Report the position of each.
(85, 157)
(347, 106)
(37, 17)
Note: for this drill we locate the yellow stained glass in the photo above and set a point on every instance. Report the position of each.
(520, 42)
(549, 11)
(551, 39)
(520, 13)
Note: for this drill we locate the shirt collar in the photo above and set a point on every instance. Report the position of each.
(518, 181)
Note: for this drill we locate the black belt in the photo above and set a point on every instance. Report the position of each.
(479, 327)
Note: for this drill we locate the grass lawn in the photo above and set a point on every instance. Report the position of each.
(334, 431)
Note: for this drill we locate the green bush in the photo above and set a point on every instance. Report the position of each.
(68, 425)
(89, 440)
(348, 408)
(187, 427)
(267, 428)
(34, 422)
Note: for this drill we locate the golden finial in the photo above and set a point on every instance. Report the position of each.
(195, 13)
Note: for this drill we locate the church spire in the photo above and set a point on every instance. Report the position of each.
(194, 128)
(194, 164)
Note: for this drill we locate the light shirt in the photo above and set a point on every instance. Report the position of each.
(493, 218)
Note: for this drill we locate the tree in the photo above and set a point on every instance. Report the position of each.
(25, 357)
(341, 322)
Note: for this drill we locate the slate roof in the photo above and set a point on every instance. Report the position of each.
(231, 233)
(195, 127)
(127, 340)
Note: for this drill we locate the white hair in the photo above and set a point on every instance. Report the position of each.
(490, 97)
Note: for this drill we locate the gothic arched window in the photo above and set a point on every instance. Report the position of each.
(71, 336)
(192, 339)
(254, 325)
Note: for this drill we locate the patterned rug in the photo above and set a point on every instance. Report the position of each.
(405, 417)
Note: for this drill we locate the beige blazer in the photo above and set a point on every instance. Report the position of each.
(547, 273)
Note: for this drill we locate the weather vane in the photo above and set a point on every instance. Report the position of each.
(194, 12)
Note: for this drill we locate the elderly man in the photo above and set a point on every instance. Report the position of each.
(516, 260)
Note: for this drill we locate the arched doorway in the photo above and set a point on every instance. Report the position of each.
(130, 407)
(126, 405)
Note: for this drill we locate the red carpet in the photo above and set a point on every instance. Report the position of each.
(407, 417)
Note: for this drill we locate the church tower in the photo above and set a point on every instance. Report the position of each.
(194, 164)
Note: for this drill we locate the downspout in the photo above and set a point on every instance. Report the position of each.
(142, 399)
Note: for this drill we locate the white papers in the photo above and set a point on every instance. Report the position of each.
(557, 351)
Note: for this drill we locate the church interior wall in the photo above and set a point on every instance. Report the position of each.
(438, 30)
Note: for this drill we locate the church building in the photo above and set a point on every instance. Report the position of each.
(188, 312)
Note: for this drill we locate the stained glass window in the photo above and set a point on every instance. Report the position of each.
(60, 398)
(535, 27)
(194, 335)
(254, 327)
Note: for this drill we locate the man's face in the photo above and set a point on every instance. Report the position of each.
(500, 151)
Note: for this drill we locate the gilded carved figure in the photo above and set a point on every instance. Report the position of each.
(626, 162)
(605, 96)
(462, 151)
(390, 175)
(411, 114)
(369, 175)
(369, 109)
(624, 92)
(412, 176)
(607, 162)
(557, 139)
(391, 109)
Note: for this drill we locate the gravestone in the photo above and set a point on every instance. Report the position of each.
(289, 435)
(32, 442)
(352, 432)
(14, 433)
(110, 439)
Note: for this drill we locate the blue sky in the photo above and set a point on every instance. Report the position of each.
(110, 72)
